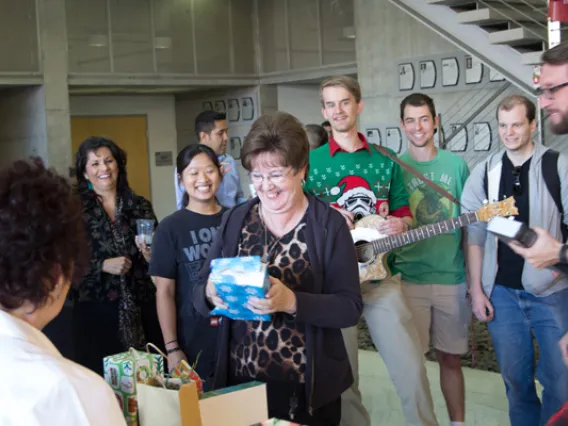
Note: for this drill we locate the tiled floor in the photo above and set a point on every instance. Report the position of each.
(486, 403)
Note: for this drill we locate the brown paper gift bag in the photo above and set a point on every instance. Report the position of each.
(241, 405)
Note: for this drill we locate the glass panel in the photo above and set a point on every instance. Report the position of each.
(243, 36)
(272, 35)
(87, 36)
(174, 36)
(212, 35)
(131, 36)
(337, 24)
(303, 33)
(18, 36)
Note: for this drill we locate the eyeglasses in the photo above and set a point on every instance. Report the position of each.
(273, 177)
(548, 92)
(517, 188)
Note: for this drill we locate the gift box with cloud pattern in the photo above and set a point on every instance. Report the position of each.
(236, 279)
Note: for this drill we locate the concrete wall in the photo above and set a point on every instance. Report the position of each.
(23, 129)
(160, 113)
(165, 36)
(188, 106)
(402, 38)
(302, 101)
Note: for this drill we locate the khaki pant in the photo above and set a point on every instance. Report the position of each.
(396, 338)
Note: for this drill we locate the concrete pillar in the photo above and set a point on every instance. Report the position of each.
(53, 40)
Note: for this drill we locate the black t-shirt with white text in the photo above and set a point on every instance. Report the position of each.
(179, 248)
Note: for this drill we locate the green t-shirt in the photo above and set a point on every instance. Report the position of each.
(440, 259)
(362, 182)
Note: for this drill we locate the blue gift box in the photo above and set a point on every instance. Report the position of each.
(236, 279)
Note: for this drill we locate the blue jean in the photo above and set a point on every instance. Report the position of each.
(517, 313)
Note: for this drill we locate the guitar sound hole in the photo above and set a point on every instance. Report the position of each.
(365, 252)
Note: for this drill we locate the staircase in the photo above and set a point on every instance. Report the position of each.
(507, 35)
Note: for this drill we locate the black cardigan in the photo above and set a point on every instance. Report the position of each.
(334, 301)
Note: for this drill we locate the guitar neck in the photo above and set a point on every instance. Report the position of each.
(392, 242)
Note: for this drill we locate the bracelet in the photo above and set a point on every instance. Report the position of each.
(171, 341)
(171, 351)
(562, 254)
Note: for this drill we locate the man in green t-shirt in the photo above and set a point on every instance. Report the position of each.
(356, 179)
(433, 270)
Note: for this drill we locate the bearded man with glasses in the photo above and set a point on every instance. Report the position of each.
(515, 298)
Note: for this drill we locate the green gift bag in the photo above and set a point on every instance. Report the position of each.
(123, 370)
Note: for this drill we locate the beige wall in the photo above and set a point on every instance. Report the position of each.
(23, 129)
(160, 112)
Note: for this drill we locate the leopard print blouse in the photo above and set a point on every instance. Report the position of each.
(276, 349)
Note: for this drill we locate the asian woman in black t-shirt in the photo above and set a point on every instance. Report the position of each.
(180, 246)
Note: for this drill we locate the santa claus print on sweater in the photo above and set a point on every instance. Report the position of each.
(355, 195)
(363, 182)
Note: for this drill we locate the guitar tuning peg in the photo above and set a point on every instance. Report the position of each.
(485, 202)
(511, 218)
(494, 200)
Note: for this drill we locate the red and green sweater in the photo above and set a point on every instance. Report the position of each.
(363, 182)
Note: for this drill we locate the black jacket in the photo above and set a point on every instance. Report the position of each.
(333, 303)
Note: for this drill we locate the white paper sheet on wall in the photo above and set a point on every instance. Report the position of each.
(481, 136)
(220, 106)
(234, 113)
(473, 70)
(234, 147)
(427, 74)
(405, 76)
(247, 109)
(450, 72)
(394, 139)
(374, 136)
(458, 142)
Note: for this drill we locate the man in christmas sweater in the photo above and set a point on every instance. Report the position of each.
(359, 181)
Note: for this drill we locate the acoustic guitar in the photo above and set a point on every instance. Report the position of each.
(372, 246)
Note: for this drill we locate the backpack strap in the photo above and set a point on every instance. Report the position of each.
(552, 181)
(486, 180)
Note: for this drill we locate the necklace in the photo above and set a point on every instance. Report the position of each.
(266, 251)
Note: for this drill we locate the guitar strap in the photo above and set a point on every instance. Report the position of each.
(445, 194)
(416, 173)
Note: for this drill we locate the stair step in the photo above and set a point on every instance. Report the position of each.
(531, 58)
(518, 36)
(489, 16)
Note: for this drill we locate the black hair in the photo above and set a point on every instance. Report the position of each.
(93, 144)
(185, 157)
(205, 122)
(325, 123)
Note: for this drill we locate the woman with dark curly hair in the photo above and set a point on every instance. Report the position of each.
(115, 302)
(42, 248)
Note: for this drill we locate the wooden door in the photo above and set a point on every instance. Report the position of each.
(128, 132)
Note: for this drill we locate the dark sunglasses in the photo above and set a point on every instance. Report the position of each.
(517, 188)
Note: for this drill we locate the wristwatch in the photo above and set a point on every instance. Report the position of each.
(562, 254)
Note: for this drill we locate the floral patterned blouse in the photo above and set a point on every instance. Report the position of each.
(98, 286)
